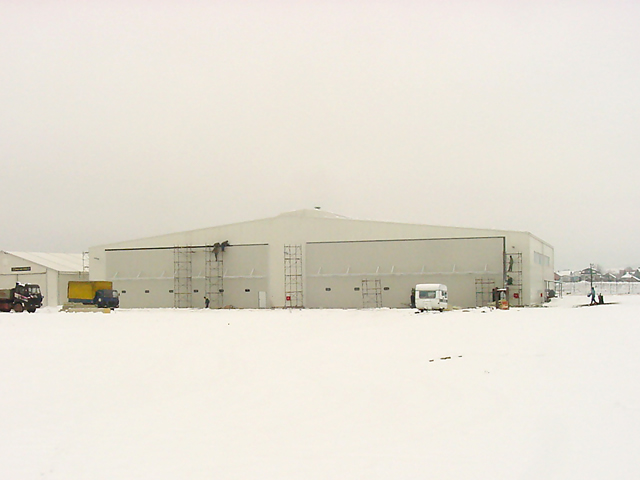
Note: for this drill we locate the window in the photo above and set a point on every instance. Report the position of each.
(328, 289)
(426, 294)
(386, 288)
(541, 259)
(195, 291)
(123, 291)
(247, 290)
(146, 291)
(170, 291)
(356, 289)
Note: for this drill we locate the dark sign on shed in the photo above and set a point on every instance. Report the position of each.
(20, 269)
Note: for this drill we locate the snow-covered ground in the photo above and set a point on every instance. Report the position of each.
(540, 393)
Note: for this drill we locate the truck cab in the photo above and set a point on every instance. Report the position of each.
(431, 296)
(30, 296)
(21, 297)
(107, 298)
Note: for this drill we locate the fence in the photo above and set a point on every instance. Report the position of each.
(606, 288)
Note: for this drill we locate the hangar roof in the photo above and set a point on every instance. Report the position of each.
(316, 212)
(61, 262)
(256, 230)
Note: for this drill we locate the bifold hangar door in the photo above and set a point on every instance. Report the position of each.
(361, 274)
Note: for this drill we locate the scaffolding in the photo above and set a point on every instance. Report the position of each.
(214, 276)
(371, 293)
(513, 277)
(484, 291)
(182, 277)
(293, 276)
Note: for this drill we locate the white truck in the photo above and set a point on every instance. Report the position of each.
(431, 296)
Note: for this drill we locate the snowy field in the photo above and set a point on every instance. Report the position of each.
(540, 393)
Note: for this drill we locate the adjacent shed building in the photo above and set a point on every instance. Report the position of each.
(52, 271)
(316, 259)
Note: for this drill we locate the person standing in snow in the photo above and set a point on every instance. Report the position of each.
(593, 295)
(206, 302)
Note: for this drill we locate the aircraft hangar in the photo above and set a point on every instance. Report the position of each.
(315, 259)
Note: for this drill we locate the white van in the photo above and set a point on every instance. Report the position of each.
(431, 296)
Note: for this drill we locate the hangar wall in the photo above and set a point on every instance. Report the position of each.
(145, 276)
(15, 269)
(335, 270)
(539, 270)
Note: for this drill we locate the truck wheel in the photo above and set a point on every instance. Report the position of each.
(18, 307)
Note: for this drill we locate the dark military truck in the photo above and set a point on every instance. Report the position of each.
(20, 298)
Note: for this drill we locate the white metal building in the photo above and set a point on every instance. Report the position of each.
(52, 271)
(316, 259)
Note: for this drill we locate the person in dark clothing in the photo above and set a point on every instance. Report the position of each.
(510, 263)
(600, 299)
(216, 249)
(206, 302)
(593, 296)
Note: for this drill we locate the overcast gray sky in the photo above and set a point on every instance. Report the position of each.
(124, 119)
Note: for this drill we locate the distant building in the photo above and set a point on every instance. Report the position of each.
(52, 271)
(316, 259)
(589, 274)
(629, 277)
(568, 276)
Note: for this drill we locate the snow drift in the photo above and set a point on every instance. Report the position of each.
(315, 394)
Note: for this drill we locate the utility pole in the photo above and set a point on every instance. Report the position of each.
(590, 276)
